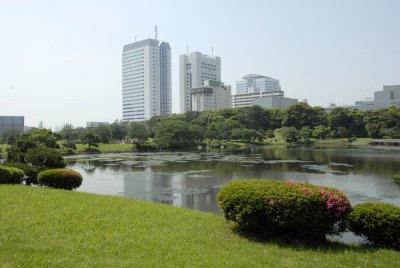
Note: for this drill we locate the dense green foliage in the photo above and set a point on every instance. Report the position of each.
(11, 175)
(299, 123)
(379, 223)
(396, 179)
(60, 178)
(278, 207)
(54, 228)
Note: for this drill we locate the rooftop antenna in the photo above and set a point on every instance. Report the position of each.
(212, 52)
(155, 29)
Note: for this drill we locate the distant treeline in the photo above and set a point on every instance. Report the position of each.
(253, 123)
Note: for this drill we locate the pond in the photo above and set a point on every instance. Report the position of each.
(192, 179)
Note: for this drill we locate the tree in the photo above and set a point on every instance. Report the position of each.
(44, 157)
(291, 134)
(45, 137)
(103, 132)
(139, 131)
(302, 114)
(252, 117)
(118, 131)
(89, 138)
(342, 132)
(305, 134)
(321, 132)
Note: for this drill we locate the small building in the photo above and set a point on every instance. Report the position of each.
(95, 124)
(267, 100)
(213, 96)
(253, 83)
(389, 96)
(11, 123)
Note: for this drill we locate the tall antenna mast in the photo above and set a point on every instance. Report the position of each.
(155, 29)
(212, 52)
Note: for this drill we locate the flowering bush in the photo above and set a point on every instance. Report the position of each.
(279, 207)
(378, 222)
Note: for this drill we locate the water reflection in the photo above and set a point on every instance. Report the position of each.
(193, 179)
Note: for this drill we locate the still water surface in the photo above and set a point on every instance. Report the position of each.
(193, 179)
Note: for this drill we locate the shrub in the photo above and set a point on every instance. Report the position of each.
(60, 178)
(30, 172)
(278, 207)
(396, 179)
(11, 175)
(379, 223)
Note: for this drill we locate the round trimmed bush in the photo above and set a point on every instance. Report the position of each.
(60, 178)
(280, 208)
(11, 175)
(378, 222)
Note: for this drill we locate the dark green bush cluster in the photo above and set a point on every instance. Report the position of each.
(60, 178)
(10, 175)
(279, 207)
(396, 179)
(379, 223)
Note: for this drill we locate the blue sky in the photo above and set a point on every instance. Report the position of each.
(60, 61)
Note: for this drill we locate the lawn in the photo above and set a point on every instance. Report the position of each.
(57, 228)
(104, 148)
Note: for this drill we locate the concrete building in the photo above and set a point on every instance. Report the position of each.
(255, 83)
(264, 99)
(194, 69)
(95, 124)
(213, 96)
(389, 96)
(8, 123)
(146, 80)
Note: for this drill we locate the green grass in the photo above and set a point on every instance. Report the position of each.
(57, 228)
(104, 148)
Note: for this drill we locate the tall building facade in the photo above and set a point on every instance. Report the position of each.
(194, 70)
(255, 83)
(146, 80)
(9, 123)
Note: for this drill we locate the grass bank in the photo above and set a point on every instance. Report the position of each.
(57, 228)
(106, 148)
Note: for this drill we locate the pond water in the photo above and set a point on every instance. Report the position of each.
(192, 179)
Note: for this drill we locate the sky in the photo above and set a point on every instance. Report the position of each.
(60, 61)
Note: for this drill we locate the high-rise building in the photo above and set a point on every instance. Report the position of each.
(146, 80)
(11, 123)
(255, 83)
(194, 69)
(213, 96)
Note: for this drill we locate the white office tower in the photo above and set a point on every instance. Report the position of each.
(194, 69)
(213, 96)
(146, 80)
(255, 83)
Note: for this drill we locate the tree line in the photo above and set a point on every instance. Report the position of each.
(252, 124)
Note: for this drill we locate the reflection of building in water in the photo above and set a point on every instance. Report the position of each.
(146, 185)
(205, 201)
(172, 189)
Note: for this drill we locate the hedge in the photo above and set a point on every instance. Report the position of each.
(280, 208)
(378, 222)
(11, 175)
(60, 178)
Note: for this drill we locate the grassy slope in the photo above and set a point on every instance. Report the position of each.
(45, 228)
(107, 147)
